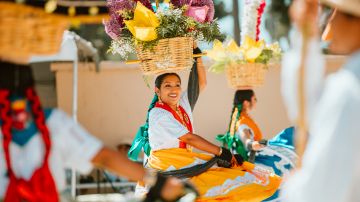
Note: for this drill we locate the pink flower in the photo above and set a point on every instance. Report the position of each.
(180, 3)
(113, 26)
(198, 3)
(146, 3)
(117, 5)
(116, 23)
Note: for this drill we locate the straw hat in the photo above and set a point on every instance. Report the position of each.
(348, 6)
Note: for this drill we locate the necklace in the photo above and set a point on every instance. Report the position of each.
(181, 116)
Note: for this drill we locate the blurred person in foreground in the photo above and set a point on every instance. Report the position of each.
(37, 145)
(331, 163)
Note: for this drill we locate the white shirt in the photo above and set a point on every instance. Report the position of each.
(164, 129)
(243, 127)
(331, 164)
(72, 147)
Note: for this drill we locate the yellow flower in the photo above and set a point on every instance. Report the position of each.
(252, 49)
(217, 52)
(275, 47)
(232, 47)
(221, 51)
(143, 26)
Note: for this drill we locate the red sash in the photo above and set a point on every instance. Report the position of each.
(186, 121)
(41, 186)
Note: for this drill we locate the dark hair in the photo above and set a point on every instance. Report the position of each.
(243, 95)
(15, 78)
(160, 79)
(239, 98)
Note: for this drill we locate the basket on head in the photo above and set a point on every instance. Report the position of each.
(173, 54)
(245, 75)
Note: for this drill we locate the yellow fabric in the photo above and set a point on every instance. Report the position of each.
(245, 119)
(144, 24)
(163, 159)
(239, 183)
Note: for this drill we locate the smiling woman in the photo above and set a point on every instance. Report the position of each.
(168, 89)
(168, 138)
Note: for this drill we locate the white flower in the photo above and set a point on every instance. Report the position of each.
(122, 47)
(249, 19)
(173, 12)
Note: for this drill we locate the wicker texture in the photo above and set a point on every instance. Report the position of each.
(245, 75)
(169, 55)
(27, 31)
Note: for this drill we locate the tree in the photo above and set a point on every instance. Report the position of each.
(235, 14)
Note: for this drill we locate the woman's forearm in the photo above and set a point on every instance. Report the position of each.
(245, 135)
(200, 143)
(119, 164)
(201, 74)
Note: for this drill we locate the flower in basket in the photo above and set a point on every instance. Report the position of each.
(146, 3)
(115, 24)
(222, 51)
(143, 26)
(137, 26)
(251, 51)
(200, 10)
(223, 54)
(250, 25)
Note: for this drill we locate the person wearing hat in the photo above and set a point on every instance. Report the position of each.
(37, 145)
(331, 164)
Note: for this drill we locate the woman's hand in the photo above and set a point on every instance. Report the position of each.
(164, 188)
(304, 14)
(173, 189)
(256, 146)
(237, 160)
(225, 158)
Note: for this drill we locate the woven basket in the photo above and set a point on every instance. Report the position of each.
(169, 55)
(245, 75)
(27, 31)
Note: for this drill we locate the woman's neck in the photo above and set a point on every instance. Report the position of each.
(245, 111)
(173, 107)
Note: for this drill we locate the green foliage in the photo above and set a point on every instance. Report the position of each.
(265, 56)
(209, 31)
(173, 24)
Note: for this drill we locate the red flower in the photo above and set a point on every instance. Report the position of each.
(260, 12)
